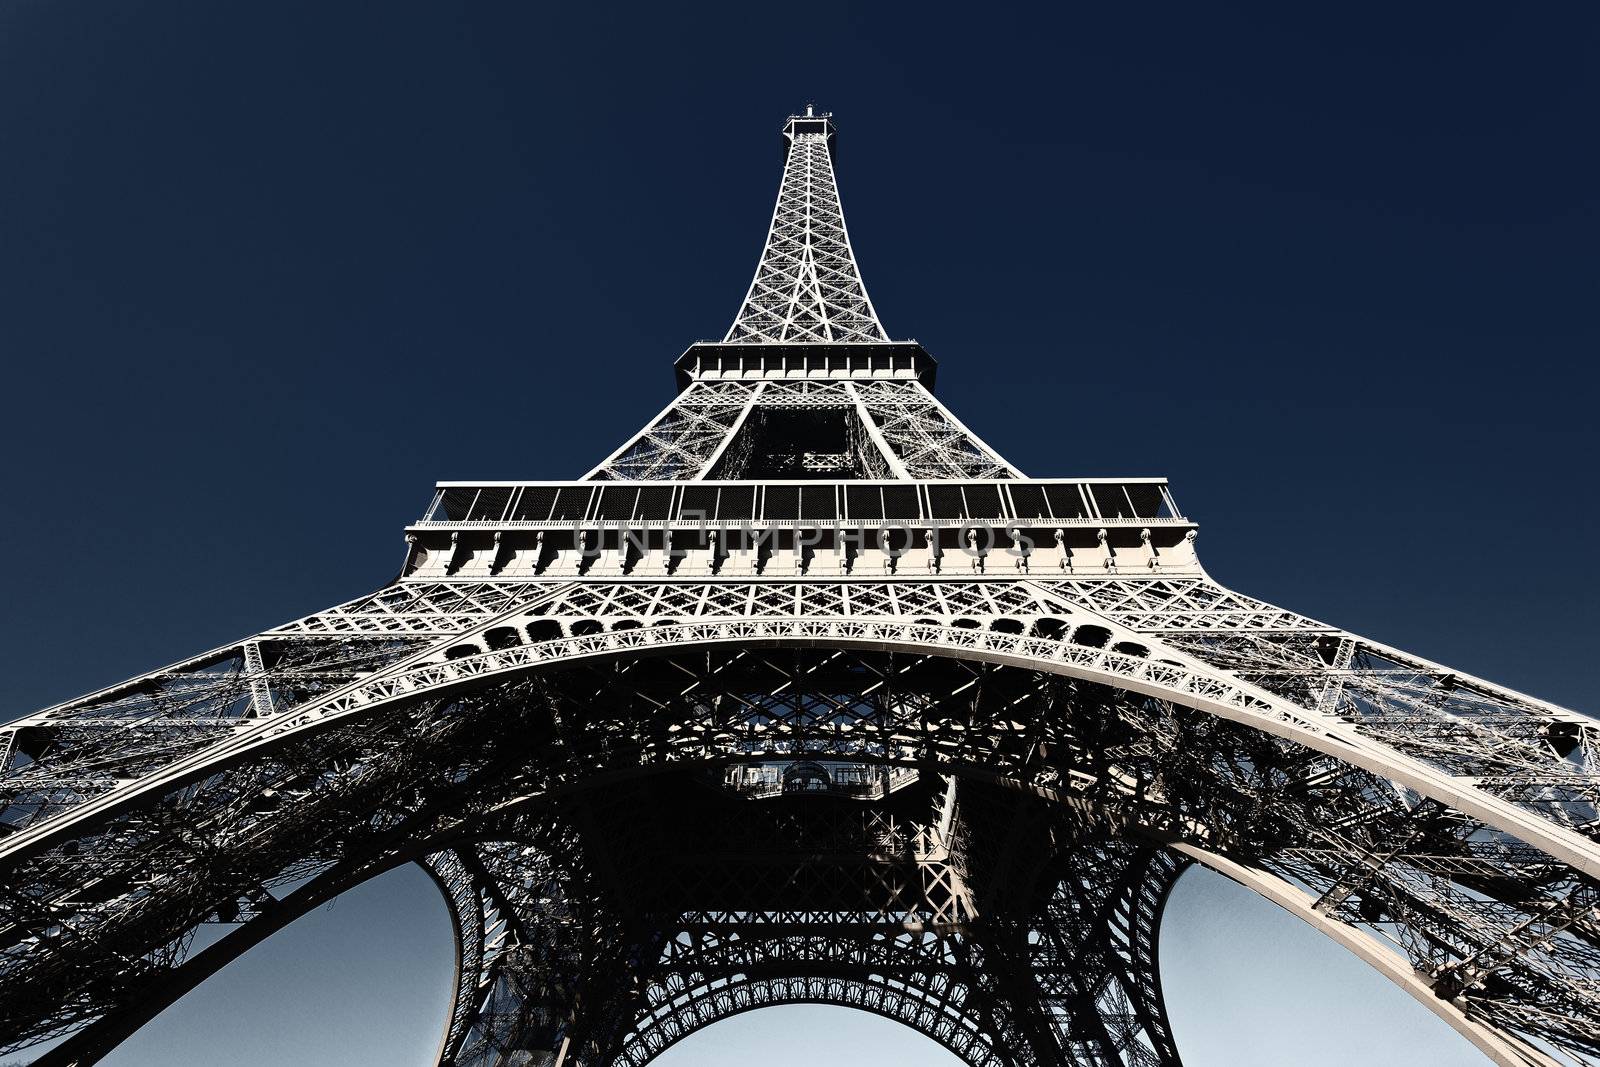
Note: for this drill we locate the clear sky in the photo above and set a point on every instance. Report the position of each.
(268, 270)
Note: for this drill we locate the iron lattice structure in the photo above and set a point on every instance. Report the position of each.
(804, 694)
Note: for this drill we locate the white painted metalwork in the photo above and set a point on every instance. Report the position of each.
(807, 287)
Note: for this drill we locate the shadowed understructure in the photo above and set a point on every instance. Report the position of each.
(804, 695)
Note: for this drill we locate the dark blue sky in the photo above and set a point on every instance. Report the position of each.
(267, 270)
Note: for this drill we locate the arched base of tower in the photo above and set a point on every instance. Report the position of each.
(992, 921)
(638, 840)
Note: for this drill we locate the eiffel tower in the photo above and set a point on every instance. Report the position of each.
(804, 694)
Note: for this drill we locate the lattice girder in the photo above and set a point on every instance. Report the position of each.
(1357, 819)
(710, 964)
(1091, 651)
(807, 286)
(901, 431)
(685, 439)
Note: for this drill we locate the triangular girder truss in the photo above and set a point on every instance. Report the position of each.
(903, 431)
(807, 287)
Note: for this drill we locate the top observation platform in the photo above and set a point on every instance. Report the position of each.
(810, 124)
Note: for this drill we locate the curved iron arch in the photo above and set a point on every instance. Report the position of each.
(874, 998)
(1189, 684)
(1240, 705)
(958, 1034)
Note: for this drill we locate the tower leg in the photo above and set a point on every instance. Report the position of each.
(1078, 977)
(538, 965)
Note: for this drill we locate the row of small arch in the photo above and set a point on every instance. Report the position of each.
(541, 630)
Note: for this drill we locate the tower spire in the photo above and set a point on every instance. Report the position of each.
(807, 287)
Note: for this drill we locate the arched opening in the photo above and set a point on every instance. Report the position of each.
(363, 979)
(1091, 636)
(502, 637)
(544, 630)
(1250, 985)
(803, 1035)
(1049, 628)
(806, 777)
(366, 979)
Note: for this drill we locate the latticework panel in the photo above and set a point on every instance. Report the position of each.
(84, 749)
(683, 439)
(778, 599)
(927, 439)
(807, 287)
(1526, 751)
(767, 904)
